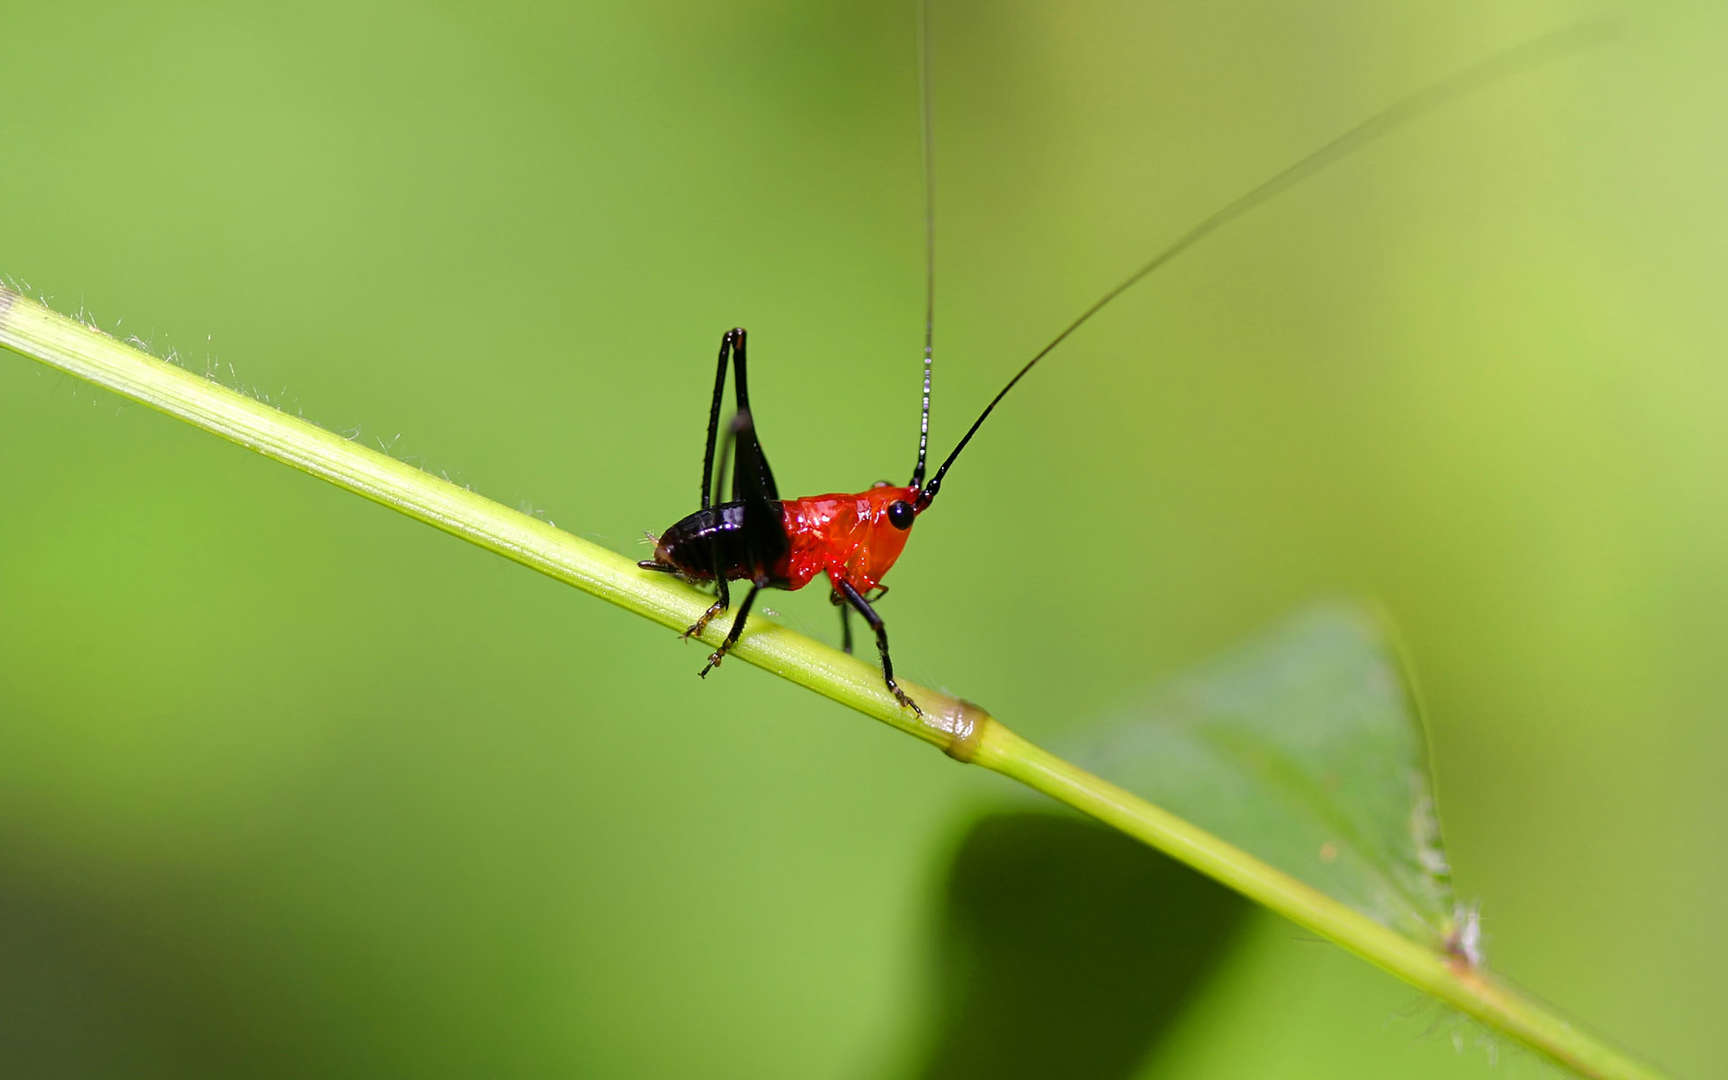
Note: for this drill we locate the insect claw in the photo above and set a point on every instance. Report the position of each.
(906, 699)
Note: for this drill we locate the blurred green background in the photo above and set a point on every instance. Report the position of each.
(291, 784)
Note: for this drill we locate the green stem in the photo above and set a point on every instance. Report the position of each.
(962, 730)
(1447, 976)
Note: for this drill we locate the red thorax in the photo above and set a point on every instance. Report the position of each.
(847, 537)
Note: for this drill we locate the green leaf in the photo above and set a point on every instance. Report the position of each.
(1306, 749)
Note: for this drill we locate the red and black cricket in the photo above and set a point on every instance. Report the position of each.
(854, 539)
(772, 543)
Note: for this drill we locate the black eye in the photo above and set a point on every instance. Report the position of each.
(900, 514)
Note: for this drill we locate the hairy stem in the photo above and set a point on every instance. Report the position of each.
(964, 731)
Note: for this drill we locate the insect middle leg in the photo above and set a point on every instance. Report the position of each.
(839, 601)
(856, 599)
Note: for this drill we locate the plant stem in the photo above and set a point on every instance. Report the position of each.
(1448, 977)
(962, 730)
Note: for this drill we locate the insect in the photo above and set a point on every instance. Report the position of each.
(853, 539)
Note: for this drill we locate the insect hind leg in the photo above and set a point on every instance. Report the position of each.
(721, 603)
(733, 634)
(764, 536)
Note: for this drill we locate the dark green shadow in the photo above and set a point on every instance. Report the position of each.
(1067, 950)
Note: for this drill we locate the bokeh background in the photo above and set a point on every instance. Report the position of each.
(289, 784)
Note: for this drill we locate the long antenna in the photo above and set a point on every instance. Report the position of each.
(1508, 62)
(929, 233)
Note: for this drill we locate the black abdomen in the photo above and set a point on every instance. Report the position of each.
(721, 538)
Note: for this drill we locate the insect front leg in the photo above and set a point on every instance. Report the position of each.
(839, 600)
(857, 600)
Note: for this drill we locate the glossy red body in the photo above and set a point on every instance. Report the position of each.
(848, 537)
